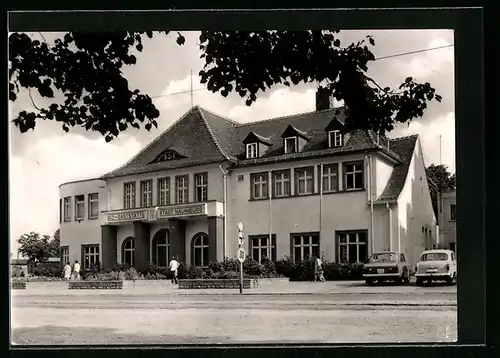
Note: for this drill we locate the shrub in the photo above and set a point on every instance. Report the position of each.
(284, 267)
(47, 271)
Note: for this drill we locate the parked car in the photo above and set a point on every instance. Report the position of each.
(436, 265)
(386, 266)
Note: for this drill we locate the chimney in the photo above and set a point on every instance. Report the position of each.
(322, 99)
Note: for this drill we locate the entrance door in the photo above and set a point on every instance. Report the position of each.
(161, 248)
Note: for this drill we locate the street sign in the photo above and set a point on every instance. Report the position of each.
(241, 241)
(241, 255)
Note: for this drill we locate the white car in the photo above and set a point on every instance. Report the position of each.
(436, 265)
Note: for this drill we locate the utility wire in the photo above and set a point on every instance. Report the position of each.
(376, 59)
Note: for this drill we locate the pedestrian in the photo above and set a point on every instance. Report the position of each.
(318, 270)
(174, 266)
(76, 270)
(67, 271)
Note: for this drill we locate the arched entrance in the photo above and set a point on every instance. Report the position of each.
(161, 248)
(128, 251)
(199, 250)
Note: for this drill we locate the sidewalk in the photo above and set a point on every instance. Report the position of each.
(266, 287)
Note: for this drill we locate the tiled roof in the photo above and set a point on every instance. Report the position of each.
(204, 137)
(404, 147)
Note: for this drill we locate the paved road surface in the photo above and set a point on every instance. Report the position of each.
(149, 314)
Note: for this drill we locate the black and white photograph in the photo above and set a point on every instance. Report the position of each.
(232, 187)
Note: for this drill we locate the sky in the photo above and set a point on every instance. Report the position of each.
(42, 159)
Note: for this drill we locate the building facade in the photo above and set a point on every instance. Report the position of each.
(447, 221)
(302, 186)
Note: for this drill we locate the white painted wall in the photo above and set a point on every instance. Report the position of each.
(88, 231)
(215, 184)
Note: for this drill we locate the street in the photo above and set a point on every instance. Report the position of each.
(277, 313)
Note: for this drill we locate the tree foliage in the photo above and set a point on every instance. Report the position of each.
(38, 248)
(442, 180)
(87, 69)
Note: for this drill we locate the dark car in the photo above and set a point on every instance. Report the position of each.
(386, 266)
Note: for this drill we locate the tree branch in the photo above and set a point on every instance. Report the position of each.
(32, 101)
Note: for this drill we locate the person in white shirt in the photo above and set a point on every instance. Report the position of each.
(174, 266)
(76, 270)
(67, 271)
(318, 270)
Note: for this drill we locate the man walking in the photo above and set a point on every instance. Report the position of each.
(174, 266)
(318, 270)
(76, 270)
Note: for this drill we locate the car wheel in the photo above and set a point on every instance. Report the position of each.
(399, 280)
(420, 282)
(449, 281)
(369, 282)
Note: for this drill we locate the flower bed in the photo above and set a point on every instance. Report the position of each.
(221, 284)
(18, 285)
(96, 285)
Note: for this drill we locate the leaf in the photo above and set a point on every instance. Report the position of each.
(148, 126)
(181, 39)
(372, 41)
(139, 47)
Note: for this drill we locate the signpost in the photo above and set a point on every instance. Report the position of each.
(241, 254)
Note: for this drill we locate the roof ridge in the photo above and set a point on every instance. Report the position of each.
(287, 116)
(219, 115)
(150, 143)
(405, 137)
(212, 135)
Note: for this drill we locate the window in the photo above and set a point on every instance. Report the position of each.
(241, 177)
(262, 247)
(452, 212)
(329, 179)
(60, 211)
(93, 206)
(434, 256)
(352, 247)
(304, 178)
(182, 189)
(334, 138)
(252, 150)
(200, 250)
(305, 246)
(90, 256)
(281, 183)
(291, 145)
(64, 255)
(200, 187)
(146, 193)
(67, 209)
(163, 191)
(452, 256)
(402, 258)
(259, 188)
(161, 248)
(129, 195)
(79, 207)
(353, 176)
(128, 251)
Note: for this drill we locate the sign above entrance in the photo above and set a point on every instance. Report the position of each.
(128, 215)
(179, 211)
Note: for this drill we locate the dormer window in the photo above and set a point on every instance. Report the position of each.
(167, 155)
(335, 138)
(252, 150)
(291, 145)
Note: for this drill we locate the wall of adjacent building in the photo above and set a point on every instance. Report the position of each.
(446, 224)
(74, 234)
(415, 210)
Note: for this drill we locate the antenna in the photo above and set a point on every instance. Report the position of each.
(191, 89)
(440, 150)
